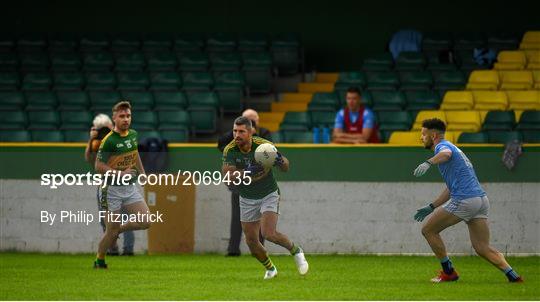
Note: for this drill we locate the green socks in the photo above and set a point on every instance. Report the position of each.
(267, 263)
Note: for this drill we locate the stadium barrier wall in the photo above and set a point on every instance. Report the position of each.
(329, 203)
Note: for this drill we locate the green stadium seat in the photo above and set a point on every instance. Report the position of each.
(174, 120)
(193, 61)
(9, 62)
(188, 42)
(130, 62)
(503, 41)
(388, 100)
(323, 119)
(415, 80)
(257, 71)
(229, 87)
(144, 134)
(75, 136)
(176, 136)
(11, 100)
(203, 99)
(297, 137)
(531, 136)
(410, 61)
(449, 80)
(9, 81)
(43, 120)
(392, 120)
(37, 81)
(203, 119)
(63, 42)
(34, 62)
(76, 120)
(466, 61)
(140, 100)
(436, 41)
(351, 79)
(100, 61)
(324, 101)
(285, 51)
(196, 81)
(126, 42)
(13, 120)
(103, 100)
(144, 120)
(499, 120)
(72, 100)
(382, 80)
(162, 61)
(379, 62)
(422, 100)
(68, 81)
(41, 100)
(469, 41)
(15, 136)
(296, 121)
(222, 42)
(165, 81)
(529, 120)
(100, 81)
(170, 100)
(252, 42)
(473, 138)
(276, 137)
(503, 137)
(66, 62)
(228, 61)
(94, 42)
(436, 63)
(157, 42)
(31, 42)
(133, 80)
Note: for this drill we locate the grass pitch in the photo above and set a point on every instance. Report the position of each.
(215, 277)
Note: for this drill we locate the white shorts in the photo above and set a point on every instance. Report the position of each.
(467, 209)
(112, 198)
(251, 209)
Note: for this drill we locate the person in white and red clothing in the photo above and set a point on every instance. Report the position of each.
(355, 124)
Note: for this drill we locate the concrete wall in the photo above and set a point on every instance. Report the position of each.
(324, 217)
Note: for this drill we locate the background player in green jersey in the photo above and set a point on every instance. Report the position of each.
(118, 153)
(259, 200)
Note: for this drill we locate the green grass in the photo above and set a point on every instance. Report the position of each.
(214, 277)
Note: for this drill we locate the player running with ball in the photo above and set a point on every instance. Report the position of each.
(259, 201)
(462, 199)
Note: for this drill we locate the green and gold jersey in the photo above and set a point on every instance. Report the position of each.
(119, 152)
(233, 156)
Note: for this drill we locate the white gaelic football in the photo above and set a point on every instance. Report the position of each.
(101, 120)
(266, 155)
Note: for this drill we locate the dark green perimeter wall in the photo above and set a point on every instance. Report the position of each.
(373, 164)
(337, 34)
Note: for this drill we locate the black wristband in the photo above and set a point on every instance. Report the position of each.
(431, 206)
(427, 161)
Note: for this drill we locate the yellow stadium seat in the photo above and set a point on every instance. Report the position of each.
(427, 114)
(288, 106)
(296, 97)
(531, 46)
(271, 126)
(326, 77)
(313, 87)
(533, 59)
(405, 138)
(483, 114)
(490, 100)
(523, 100)
(511, 60)
(276, 117)
(452, 136)
(518, 113)
(531, 40)
(457, 100)
(516, 80)
(536, 77)
(463, 121)
(483, 80)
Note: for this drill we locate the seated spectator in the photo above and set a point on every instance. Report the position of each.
(355, 124)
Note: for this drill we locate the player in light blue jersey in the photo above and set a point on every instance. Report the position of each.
(462, 199)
